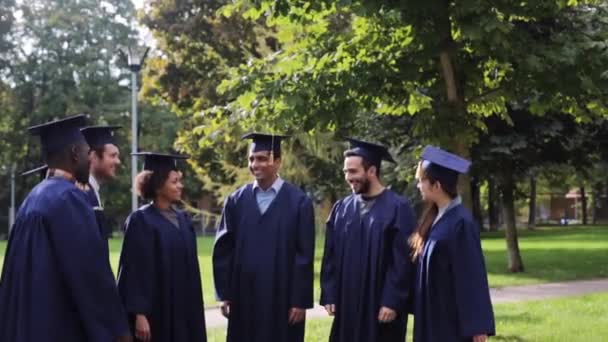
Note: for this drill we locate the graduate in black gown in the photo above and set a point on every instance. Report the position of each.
(56, 284)
(367, 272)
(264, 252)
(104, 158)
(452, 296)
(159, 277)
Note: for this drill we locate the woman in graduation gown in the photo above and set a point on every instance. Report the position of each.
(452, 299)
(159, 278)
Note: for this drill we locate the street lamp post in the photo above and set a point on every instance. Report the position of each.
(11, 210)
(135, 57)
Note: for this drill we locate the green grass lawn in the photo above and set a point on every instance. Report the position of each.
(583, 319)
(549, 254)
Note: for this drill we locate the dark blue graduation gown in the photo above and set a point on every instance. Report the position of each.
(263, 264)
(159, 276)
(57, 284)
(367, 265)
(452, 295)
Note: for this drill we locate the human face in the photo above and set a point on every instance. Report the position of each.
(106, 166)
(356, 175)
(172, 189)
(260, 166)
(428, 190)
(81, 162)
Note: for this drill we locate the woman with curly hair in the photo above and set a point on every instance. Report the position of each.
(159, 278)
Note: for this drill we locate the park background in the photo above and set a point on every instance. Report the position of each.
(517, 87)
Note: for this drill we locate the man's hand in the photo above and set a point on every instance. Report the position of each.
(225, 308)
(296, 315)
(142, 328)
(331, 309)
(480, 338)
(386, 315)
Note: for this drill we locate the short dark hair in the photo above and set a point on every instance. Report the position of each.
(148, 182)
(365, 161)
(276, 154)
(98, 150)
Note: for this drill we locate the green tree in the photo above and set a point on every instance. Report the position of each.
(448, 65)
(62, 63)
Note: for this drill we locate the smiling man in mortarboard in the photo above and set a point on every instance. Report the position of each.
(366, 269)
(264, 252)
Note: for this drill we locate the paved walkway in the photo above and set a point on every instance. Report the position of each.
(501, 295)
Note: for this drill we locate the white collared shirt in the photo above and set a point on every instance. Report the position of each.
(265, 197)
(95, 186)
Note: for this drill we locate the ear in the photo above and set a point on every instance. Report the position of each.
(277, 161)
(74, 153)
(373, 170)
(438, 185)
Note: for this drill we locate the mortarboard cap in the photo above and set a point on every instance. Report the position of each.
(374, 153)
(445, 159)
(160, 161)
(57, 134)
(265, 142)
(99, 135)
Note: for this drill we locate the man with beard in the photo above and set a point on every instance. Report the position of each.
(264, 252)
(366, 270)
(56, 283)
(104, 157)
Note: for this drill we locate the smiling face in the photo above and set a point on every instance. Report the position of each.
(105, 161)
(356, 175)
(261, 167)
(172, 188)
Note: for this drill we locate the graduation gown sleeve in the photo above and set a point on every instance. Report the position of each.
(400, 270)
(80, 258)
(328, 264)
(303, 276)
(223, 252)
(137, 266)
(470, 284)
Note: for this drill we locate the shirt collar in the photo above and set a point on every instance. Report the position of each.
(94, 183)
(276, 186)
(456, 201)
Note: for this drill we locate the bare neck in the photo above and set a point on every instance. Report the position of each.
(162, 203)
(443, 201)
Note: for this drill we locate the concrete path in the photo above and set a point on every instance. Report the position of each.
(508, 294)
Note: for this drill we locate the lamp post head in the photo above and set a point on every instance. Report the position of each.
(134, 56)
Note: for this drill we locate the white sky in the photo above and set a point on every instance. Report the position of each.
(138, 3)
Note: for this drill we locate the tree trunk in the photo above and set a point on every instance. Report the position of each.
(584, 204)
(454, 95)
(515, 263)
(476, 199)
(492, 206)
(464, 182)
(597, 190)
(532, 204)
